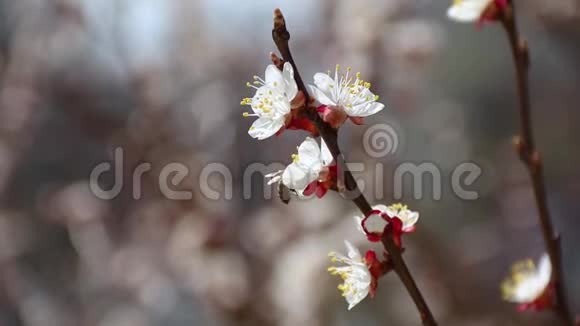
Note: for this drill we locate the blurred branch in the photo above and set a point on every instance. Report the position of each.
(281, 36)
(525, 146)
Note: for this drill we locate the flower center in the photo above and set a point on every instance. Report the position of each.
(349, 92)
(268, 102)
(521, 272)
(295, 158)
(398, 207)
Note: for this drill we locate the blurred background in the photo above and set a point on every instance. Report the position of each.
(162, 79)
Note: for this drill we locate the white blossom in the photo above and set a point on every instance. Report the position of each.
(344, 93)
(527, 283)
(355, 273)
(376, 222)
(308, 165)
(272, 102)
(408, 217)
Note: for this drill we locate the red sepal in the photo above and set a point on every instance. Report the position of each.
(545, 301)
(375, 268)
(357, 120)
(302, 124)
(320, 187)
(493, 12)
(334, 116)
(396, 228)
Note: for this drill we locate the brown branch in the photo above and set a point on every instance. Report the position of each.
(525, 146)
(281, 36)
(405, 276)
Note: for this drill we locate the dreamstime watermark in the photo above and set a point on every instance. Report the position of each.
(380, 141)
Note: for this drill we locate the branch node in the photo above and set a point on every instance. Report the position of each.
(277, 61)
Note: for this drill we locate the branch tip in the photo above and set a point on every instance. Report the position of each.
(279, 21)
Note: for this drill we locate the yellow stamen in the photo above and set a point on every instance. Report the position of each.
(398, 207)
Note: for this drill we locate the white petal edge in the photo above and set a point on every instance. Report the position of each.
(264, 128)
(274, 78)
(320, 96)
(364, 110)
(290, 82)
(325, 153)
(352, 251)
(545, 269)
(294, 177)
(467, 11)
(309, 153)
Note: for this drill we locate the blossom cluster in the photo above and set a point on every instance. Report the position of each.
(279, 104)
(361, 274)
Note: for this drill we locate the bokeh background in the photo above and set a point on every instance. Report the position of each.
(162, 79)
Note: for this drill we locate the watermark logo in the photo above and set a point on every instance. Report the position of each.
(381, 141)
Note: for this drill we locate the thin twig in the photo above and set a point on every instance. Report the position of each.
(281, 36)
(404, 274)
(531, 158)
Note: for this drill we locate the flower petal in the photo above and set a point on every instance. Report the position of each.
(324, 82)
(291, 87)
(275, 79)
(294, 177)
(467, 11)
(382, 208)
(325, 153)
(409, 218)
(324, 91)
(545, 270)
(309, 154)
(352, 251)
(263, 128)
(364, 110)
